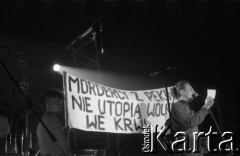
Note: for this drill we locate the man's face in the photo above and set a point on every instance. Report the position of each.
(188, 92)
(53, 105)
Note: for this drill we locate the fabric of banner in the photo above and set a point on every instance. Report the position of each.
(95, 107)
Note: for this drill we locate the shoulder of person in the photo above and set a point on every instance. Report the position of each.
(49, 118)
(178, 105)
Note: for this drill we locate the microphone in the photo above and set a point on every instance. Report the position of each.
(156, 73)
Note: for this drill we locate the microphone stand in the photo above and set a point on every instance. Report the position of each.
(165, 84)
(154, 74)
(168, 103)
(219, 130)
(166, 90)
(29, 103)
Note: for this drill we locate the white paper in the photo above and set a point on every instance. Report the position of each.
(211, 92)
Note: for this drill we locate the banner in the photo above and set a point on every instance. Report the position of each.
(94, 107)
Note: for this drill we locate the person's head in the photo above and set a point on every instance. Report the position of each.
(53, 101)
(184, 91)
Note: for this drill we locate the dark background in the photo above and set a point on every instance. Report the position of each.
(197, 37)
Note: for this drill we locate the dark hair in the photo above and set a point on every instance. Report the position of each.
(55, 93)
(179, 86)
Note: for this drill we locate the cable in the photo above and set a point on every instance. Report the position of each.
(219, 115)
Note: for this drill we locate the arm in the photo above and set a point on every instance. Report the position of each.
(196, 118)
(45, 143)
(187, 117)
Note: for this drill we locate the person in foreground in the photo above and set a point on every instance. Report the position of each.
(183, 118)
(54, 105)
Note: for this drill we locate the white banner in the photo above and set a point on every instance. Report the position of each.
(94, 107)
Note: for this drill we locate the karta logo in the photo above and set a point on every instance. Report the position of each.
(180, 141)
